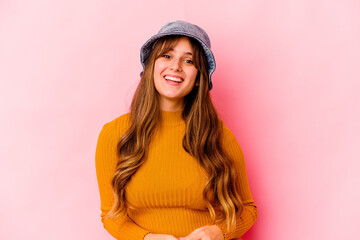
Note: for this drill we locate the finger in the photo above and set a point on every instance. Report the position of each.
(195, 235)
(196, 231)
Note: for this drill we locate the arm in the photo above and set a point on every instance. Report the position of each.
(249, 214)
(122, 228)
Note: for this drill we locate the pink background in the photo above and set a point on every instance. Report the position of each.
(286, 84)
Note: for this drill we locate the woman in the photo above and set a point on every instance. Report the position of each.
(170, 169)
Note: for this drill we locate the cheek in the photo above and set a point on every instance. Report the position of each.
(193, 75)
(157, 71)
(158, 66)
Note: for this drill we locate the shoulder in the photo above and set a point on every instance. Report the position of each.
(116, 127)
(120, 122)
(230, 145)
(228, 135)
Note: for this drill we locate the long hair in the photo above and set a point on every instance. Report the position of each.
(202, 139)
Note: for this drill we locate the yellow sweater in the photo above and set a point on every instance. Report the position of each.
(167, 189)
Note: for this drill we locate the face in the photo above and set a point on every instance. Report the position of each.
(175, 75)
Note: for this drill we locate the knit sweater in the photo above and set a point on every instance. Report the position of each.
(167, 189)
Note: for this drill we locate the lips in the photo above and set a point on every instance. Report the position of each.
(173, 78)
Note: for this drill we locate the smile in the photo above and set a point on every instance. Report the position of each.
(174, 79)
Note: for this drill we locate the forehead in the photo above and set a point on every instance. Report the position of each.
(178, 44)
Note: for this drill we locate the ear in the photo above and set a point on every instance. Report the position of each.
(197, 80)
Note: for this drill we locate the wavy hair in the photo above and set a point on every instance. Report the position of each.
(202, 139)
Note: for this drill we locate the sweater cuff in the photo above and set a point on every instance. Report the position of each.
(130, 230)
(146, 234)
(223, 231)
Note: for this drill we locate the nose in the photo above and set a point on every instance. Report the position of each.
(176, 64)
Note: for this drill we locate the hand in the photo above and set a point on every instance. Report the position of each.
(212, 232)
(152, 236)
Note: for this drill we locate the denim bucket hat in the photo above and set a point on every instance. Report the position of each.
(183, 29)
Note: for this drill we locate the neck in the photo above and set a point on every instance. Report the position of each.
(171, 105)
(171, 117)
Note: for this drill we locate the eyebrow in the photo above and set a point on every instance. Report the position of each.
(186, 53)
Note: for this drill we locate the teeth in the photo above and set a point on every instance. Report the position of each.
(173, 79)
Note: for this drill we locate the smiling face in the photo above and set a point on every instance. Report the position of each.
(175, 75)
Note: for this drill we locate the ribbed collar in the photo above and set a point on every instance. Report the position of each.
(171, 118)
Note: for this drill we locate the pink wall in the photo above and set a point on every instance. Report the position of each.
(286, 83)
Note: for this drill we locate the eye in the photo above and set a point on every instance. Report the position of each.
(189, 61)
(166, 56)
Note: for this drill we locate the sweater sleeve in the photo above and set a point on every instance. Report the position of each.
(122, 228)
(249, 214)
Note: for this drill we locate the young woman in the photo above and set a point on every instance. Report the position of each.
(170, 169)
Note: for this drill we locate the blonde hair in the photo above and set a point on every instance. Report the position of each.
(202, 139)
